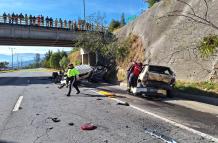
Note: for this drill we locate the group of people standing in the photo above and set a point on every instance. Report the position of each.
(45, 21)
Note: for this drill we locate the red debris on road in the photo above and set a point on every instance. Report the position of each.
(88, 126)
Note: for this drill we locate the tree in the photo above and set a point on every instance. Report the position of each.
(3, 64)
(48, 55)
(64, 62)
(151, 2)
(37, 60)
(114, 25)
(122, 21)
(54, 60)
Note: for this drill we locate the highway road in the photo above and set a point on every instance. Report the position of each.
(34, 110)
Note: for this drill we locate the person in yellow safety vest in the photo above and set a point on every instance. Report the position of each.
(71, 77)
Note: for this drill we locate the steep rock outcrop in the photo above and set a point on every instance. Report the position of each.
(173, 41)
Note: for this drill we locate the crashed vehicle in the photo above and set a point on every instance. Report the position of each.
(154, 81)
(85, 73)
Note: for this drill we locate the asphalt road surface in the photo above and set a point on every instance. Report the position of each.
(46, 115)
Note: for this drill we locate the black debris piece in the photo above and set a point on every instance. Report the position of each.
(71, 124)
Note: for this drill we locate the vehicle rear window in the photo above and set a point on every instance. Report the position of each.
(160, 70)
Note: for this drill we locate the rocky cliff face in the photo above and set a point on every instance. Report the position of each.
(173, 40)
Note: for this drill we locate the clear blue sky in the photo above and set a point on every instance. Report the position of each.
(73, 9)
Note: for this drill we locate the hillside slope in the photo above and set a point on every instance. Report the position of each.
(173, 41)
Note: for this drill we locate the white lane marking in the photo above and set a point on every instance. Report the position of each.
(17, 105)
(169, 121)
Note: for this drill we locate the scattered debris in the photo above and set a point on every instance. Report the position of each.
(54, 119)
(88, 126)
(123, 103)
(71, 124)
(50, 128)
(160, 136)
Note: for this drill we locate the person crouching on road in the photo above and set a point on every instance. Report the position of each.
(72, 78)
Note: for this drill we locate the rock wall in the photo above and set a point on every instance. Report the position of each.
(173, 41)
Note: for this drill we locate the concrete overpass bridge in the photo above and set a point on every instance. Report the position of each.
(29, 35)
(26, 35)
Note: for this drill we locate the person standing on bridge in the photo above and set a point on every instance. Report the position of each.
(39, 20)
(34, 20)
(26, 19)
(56, 23)
(61, 23)
(31, 19)
(72, 74)
(5, 17)
(47, 21)
(21, 17)
(9, 18)
(13, 18)
(16, 18)
(65, 23)
(51, 22)
(42, 20)
(69, 24)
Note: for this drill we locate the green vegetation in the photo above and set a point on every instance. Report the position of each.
(3, 64)
(115, 24)
(198, 88)
(64, 62)
(208, 45)
(6, 71)
(55, 60)
(75, 57)
(151, 2)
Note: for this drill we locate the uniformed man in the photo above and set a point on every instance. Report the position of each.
(72, 74)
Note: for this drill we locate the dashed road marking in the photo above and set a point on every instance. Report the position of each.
(17, 105)
(168, 120)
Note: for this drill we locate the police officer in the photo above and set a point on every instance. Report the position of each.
(71, 78)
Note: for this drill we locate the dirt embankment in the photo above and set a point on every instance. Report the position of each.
(173, 41)
(136, 53)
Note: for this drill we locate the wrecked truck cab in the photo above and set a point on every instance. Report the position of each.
(155, 81)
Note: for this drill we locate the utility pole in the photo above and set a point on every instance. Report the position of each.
(21, 63)
(17, 62)
(12, 56)
(84, 9)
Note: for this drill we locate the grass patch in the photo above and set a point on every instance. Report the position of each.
(40, 70)
(6, 71)
(198, 88)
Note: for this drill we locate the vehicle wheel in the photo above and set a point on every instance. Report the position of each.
(170, 94)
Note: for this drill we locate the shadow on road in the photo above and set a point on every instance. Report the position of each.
(1, 141)
(192, 94)
(24, 81)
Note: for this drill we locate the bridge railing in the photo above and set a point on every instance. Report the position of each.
(81, 25)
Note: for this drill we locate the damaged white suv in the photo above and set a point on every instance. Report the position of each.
(154, 81)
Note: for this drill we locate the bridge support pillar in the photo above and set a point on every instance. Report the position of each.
(88, 58)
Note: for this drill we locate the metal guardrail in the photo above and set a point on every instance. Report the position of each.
(81, 25)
